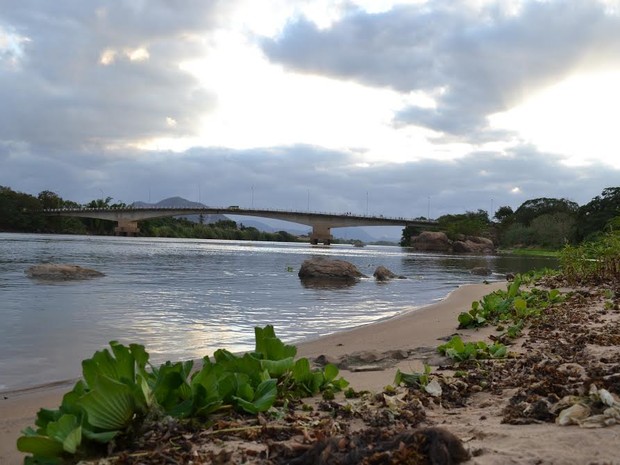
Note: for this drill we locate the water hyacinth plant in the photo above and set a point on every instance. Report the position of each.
(119, 388)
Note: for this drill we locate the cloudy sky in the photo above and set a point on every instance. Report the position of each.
(400, 108)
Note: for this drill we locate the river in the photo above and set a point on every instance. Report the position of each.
(185, 298)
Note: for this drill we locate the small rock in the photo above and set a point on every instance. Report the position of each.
(383, 274)
(323, 360)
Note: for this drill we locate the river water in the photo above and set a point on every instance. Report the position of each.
(185, 298)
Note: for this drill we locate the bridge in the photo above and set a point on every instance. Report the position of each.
(127, 218)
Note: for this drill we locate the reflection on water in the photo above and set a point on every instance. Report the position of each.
(186, 298)
(326, 283)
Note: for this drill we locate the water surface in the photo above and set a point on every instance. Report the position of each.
(185, 298)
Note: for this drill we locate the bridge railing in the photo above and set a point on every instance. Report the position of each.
(232, 211)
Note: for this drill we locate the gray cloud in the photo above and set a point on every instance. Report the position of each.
(330, 179)
(484, 60)
(56, 94)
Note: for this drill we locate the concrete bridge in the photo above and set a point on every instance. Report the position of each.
(127, 218)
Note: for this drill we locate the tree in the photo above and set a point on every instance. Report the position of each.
(97, 226)
(594, 217)
(18, 211)
(469, 223)
(503, 214)
(531, 209)
(50, 200)
(408, 232)
(553, 230)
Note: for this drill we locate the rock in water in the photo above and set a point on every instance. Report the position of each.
(61, 272)
(383, 274)
(325, 268)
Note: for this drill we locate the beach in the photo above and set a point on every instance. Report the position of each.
(405, 342)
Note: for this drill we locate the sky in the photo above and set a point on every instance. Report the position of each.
(400, 108)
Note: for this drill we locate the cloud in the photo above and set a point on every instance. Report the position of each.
(92, 94)
(103, 74)
(287, 177)
(474, 61)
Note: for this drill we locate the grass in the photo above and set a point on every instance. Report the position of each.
(530, 252)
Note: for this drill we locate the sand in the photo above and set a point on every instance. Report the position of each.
(410, 339)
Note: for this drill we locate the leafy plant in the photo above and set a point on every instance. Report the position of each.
(120, 387)
(458, 350)
(415, 380)
(512, 305)
(113, 392)
(596, 261)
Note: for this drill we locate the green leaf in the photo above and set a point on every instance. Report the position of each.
(465, 320)
(103, 437)
(110, 405)
(262, 399)
(103, 363)
(46, 416)
(520, 306)
(205, 401)
(301, 370)
(270, 347)
(42, 446)
(278, 368)
(513, 288)
(409, 379)
(265, 395)
(330, 371)
(171, 386)
(245, 391)
(66, 431)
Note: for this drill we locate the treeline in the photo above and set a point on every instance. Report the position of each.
(547, 223)
(19, 213)
(541, 223)
(223, 229)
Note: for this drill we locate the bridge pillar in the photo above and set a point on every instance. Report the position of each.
(321, 233)
(126, 228)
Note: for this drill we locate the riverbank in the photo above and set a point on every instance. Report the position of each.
(573, 347)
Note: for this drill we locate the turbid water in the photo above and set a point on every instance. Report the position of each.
(185, 298)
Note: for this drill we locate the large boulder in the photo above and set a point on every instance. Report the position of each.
(431, 241)
(61, 272)
(329, 269)
(473, 244)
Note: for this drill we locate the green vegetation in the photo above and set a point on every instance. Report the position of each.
(468, 224)
(538, 224)
(415, 380)
(601, 215)
(460, 351)
(593, 262)
(223, 229)
(19, 213)
(511, 306)
(120, 389)
(531, 252)
(542, 224)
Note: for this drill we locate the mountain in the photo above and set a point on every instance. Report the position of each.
(180, 202)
